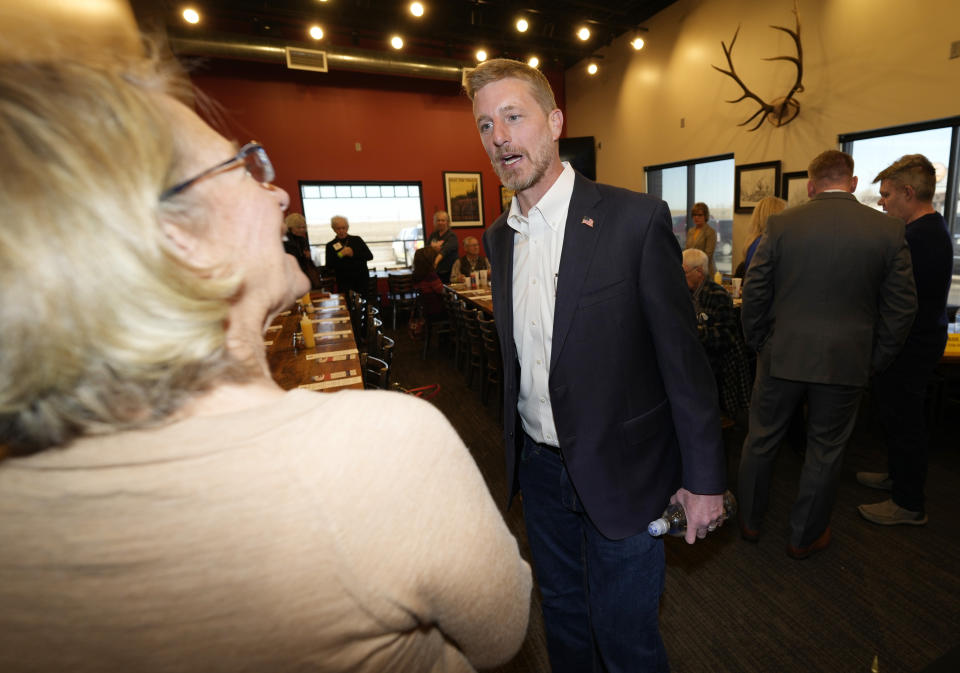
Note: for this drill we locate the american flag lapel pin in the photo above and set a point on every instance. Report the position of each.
(587, 221)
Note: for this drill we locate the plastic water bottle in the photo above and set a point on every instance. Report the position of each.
(674, 519)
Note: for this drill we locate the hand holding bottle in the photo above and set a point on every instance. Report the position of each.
(694, 515)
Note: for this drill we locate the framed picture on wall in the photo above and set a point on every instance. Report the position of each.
(464, 197)
(793, 190)
(753, 182)
(506, 196)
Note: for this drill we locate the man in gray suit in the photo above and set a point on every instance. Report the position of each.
(828, 299)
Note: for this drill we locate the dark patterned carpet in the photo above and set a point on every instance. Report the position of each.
(730, 606)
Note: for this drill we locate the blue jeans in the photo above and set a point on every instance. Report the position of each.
(600, 597)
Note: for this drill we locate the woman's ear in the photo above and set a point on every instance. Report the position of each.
(185, 244)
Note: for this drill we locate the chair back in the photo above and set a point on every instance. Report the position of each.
(376, 372)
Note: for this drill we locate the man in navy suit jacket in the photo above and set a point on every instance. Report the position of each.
(610, 406)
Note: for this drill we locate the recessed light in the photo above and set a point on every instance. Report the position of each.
(481, 55)
(584, 33)
(637, 43)
(190, 15)
(396, 42)
(316, 32)
(592, 69)
(522, 25)
(534, 62)
(416, 8)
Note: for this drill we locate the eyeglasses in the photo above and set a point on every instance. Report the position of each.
(255, 162)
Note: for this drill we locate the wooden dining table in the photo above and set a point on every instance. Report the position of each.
(481, 298)
(333, 364)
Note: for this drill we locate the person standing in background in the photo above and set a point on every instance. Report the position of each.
(768, 205)
(701, 236)
(828, 299)
(906, 192)
(347, 256)
(298, 244)
(610, 406)
(444, 244)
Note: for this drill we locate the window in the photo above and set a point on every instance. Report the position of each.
(684, 183)
(388, 216)
(872, 151)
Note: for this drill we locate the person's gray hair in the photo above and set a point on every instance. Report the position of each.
(103, 325)
(438, 214)
(694, 258)
(914, 170)
(470, 239)
(339, 217)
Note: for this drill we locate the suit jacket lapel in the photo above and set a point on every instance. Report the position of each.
(583, 227)
(503, 278)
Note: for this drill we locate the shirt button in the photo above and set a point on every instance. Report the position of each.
(548, 436)
(543, 400)
(533, 282)
(538, 363)
(533, 322)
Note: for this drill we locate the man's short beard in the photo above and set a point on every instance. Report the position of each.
(541, 163)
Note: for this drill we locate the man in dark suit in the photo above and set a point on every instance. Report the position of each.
(609, 402)
(828, 299)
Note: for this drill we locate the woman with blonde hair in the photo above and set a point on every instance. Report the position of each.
(769, 205)
(701, 236)
(164, 505)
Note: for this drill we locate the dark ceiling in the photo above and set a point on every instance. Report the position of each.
(449, 29)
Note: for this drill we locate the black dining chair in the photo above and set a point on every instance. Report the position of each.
(376, 372)
(402, 294)
(493, 363)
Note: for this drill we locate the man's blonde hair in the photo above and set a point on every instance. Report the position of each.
(497, 69)
(103, 326)
(914, 170)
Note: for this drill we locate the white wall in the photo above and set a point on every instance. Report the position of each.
(867, 64)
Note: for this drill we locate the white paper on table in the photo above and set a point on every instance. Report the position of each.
(338, 383)
(323, 357)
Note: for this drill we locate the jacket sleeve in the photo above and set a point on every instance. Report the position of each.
(897, 307)
(361, 251)
(710, 242)
(687, 377)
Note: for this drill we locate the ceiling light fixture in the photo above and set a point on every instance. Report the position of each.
(416, 8)
(481, 55)
(190, 15)
(396, 42)
(584, 33)
(522, 25)
(637, 43)
(592, 69)
(316, 32)
(534, 62)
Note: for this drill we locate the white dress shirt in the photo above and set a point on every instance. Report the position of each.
(537, 245)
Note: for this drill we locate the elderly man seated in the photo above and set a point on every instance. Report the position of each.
(470, 262)
(719, 330)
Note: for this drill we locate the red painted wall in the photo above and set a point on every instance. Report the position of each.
(408, 129)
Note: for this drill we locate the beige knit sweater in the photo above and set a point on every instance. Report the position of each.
(323, 532)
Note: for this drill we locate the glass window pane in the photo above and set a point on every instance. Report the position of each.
(713, 185)
(874, 154)
(674, 192)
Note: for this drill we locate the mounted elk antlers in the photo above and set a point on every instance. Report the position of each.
(780, 111)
